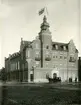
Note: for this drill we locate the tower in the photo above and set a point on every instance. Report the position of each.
(46, 41)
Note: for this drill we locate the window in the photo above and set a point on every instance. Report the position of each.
(72, 59)
(60, 57)
(64, 47)
(37, 53)
(56, 46)
(56, 56)
(47, 53)
(13, 66)
(54, 66)
(72, 65)
(31, 77)
(37, 46)
(47, 76)
(37, 63)
(60, 64)
(23, 66)
(47, 47)
(65, 57)
(46, 64)
(37, 56)
(53, 56)
(18, 65)
(27, 53)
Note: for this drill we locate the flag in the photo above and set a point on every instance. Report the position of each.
(41, 11)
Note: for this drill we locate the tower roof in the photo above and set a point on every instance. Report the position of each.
(45, 24)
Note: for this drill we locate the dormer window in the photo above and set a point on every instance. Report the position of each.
(64, 47)
(53, 45)
(56, 46)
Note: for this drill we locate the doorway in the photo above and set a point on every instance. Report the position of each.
(31, 77)
(54, 75)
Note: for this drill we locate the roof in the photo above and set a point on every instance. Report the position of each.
(16, 54)
(60, 46)
(27, 44)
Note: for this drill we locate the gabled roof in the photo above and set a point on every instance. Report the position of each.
(76, 51)
(27, 44)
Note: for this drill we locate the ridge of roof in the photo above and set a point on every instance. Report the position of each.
(27, 42)
(59, 43)
(13, 55)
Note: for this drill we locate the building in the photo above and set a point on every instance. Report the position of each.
(79, 68)
(12, 66)
(3, 74)
(42, 57)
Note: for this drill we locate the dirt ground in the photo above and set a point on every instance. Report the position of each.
(44, 94)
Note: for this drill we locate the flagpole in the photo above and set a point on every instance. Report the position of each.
(46, 10)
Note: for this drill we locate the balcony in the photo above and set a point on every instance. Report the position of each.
(72, 59)
(37, 58)
(48, 58)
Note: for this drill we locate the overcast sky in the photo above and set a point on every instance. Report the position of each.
(19, 18)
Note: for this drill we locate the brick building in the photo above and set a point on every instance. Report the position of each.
(42, 57)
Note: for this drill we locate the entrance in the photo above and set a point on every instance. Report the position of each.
(31, 77)
(32, 74)
(54, 75)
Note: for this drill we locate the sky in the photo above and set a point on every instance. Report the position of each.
(20, 18)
